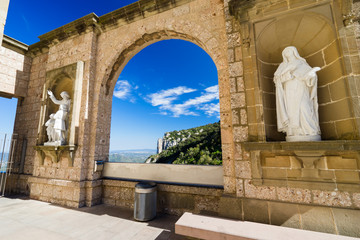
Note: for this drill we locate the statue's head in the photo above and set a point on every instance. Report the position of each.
(290, 54)
(65, 95)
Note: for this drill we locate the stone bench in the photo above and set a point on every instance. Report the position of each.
(212, 228)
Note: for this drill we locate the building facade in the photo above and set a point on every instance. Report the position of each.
(264, 178)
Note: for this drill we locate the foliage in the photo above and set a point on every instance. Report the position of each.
(202, 147)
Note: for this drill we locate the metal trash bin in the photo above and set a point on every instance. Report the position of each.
(145, 201)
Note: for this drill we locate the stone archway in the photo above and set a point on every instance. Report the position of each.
(145, 40)
(136, 46)
(112, 55)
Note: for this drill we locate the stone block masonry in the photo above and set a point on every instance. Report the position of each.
(14, 68)
(265, 180)
(4, 5)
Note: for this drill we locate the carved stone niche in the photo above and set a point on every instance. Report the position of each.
(70, 79)
(313, 28)
(326, 161)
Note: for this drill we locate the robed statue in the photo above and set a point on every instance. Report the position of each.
(296, 98)
(56, 125)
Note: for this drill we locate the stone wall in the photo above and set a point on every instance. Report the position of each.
(14, 68)
(250, 21)
(3, 14)
(265, 180)
(302, 216)
(317, 29)
(62, 181)
(186, 22)
(94, 41)
(264, 168)
(28, 114)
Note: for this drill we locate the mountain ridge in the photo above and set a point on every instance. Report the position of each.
(199, 146)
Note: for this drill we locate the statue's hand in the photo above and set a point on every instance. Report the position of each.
(313, 71)
(316, 69)
(50, 93)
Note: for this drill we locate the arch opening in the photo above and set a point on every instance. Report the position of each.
(170, 86)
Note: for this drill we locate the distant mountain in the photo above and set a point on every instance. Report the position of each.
(131, 156)
(133, 151)
(199, 146)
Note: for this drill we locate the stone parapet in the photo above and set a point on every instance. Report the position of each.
(171, 199)
(212, 202)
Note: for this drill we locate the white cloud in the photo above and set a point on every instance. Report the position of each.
(165, 98)
(178, 109)
(123, 90)
(213, 89)
(211, 93)
(212, 109)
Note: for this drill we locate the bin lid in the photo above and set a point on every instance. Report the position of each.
(145, 185)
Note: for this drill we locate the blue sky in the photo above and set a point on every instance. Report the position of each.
(170, 85)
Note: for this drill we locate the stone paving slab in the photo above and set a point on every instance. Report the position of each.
(22, 218)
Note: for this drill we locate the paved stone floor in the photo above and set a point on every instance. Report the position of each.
(21, 218)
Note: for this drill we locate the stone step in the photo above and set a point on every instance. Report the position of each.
(211, 228)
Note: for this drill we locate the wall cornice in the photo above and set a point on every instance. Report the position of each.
(14, 45)
(91, 22)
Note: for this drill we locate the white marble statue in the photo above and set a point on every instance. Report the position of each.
(50, 128)
(58, 130)
(296, 98)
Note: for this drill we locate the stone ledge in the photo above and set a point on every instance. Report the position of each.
(57, 182)
(14, 45)
(205, 191)
(138, 10)
(341, 145)
(76, 27)
(55, 153)
(215, 228)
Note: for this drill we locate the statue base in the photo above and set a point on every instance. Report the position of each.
(55, 152)
(306, 138)
(56, 143)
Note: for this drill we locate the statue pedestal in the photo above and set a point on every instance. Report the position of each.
(306, 138)
(55, 144)
(55, 153)
(286, 163)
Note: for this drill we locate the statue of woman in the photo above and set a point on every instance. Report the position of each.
(60, 116)
(296, 98)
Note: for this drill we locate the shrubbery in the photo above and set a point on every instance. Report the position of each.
(203, 148)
